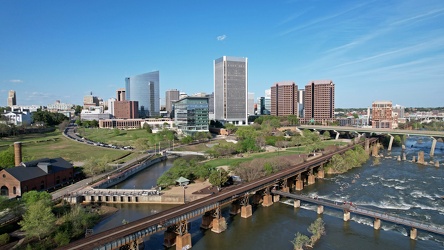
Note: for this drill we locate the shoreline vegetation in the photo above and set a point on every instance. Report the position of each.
(317, 229)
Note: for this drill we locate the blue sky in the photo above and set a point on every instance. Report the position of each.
(372, 50)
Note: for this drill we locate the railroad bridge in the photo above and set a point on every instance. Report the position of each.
(175, 220)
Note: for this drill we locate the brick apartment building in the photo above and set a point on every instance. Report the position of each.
(284, 99)
(382, 114)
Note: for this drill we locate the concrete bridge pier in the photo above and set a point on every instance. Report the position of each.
(183, 241)
(391, 142)
(219, 222)
(320, 209)
(404, 156)
(321, 172)
(297, 203)
(413, 233)
(377, 223)
(267, 200)
(246, 211)
(432, 150)
(337, 134)
(299, 183)
(375, 150)
(276, 198)
(346, 215)
(367, 145)
(421, 157)
(311, 178)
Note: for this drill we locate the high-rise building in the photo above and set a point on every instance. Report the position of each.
(171, 96)
(284, 99)
(126, 110)
(121, 94)
(319, 103)
(12, 99)
(144, 89)
(267, 102)
(111, 102)
(250, 104)
(382, 114)
(301, 97)
(231, 89)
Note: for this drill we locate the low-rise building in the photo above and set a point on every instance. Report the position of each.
(18, 118)
(41, 175)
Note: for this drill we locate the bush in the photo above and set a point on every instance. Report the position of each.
(4, 239)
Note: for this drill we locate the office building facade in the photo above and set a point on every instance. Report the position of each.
(12, 99)
(319, 103)
(121, 93)
(126, 109)
(144, 89)
(191, 114)
(171, 96)
(231, 89)
(284, 99)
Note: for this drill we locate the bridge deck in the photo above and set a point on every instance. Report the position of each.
(367, 212)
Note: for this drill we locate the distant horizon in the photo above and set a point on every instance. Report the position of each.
(378, 50)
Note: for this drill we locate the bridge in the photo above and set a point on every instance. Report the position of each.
(183, 153)
(175, 220)
(349, 207)
(379, 131)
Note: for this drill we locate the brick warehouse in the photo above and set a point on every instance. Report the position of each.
(40, 175)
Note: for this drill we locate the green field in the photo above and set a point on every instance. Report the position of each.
(54, 144)
(113, 136)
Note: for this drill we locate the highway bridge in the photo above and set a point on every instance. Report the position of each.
(380, 131)
(378, 215)
(130, 235)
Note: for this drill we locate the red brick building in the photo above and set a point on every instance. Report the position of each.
(319, 102)
(382, 114)
(284, 99)
(126, 109)
(40, 175)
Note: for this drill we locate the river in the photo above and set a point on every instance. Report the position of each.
(402, 188)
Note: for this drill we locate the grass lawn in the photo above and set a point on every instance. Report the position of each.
(54, 144)
(26, 138)
(112, 136)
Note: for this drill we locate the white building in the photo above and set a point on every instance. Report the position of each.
(231, 89)
(18, 118)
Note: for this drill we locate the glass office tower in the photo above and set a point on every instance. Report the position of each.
(231, 89)
(144, 88)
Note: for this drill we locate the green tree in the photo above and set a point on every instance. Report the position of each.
(293, 120)
(38, 221)
(300, 241)
(78, 110)
(7, 158)
(33, 197)
(218, 177)
(326, 135)
(62, 238)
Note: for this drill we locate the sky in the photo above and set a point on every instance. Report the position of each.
(372, 50)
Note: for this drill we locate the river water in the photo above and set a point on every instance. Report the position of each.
(403, 188)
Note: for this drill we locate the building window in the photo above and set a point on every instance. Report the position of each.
(14, 190)
(4, 176)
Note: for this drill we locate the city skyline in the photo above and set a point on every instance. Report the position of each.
(379, 50)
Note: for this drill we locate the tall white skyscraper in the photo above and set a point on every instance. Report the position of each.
(231, 89)
(144, 88)
(250, 105)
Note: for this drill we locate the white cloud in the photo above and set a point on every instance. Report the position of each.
(16, 81)
(221, 38)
